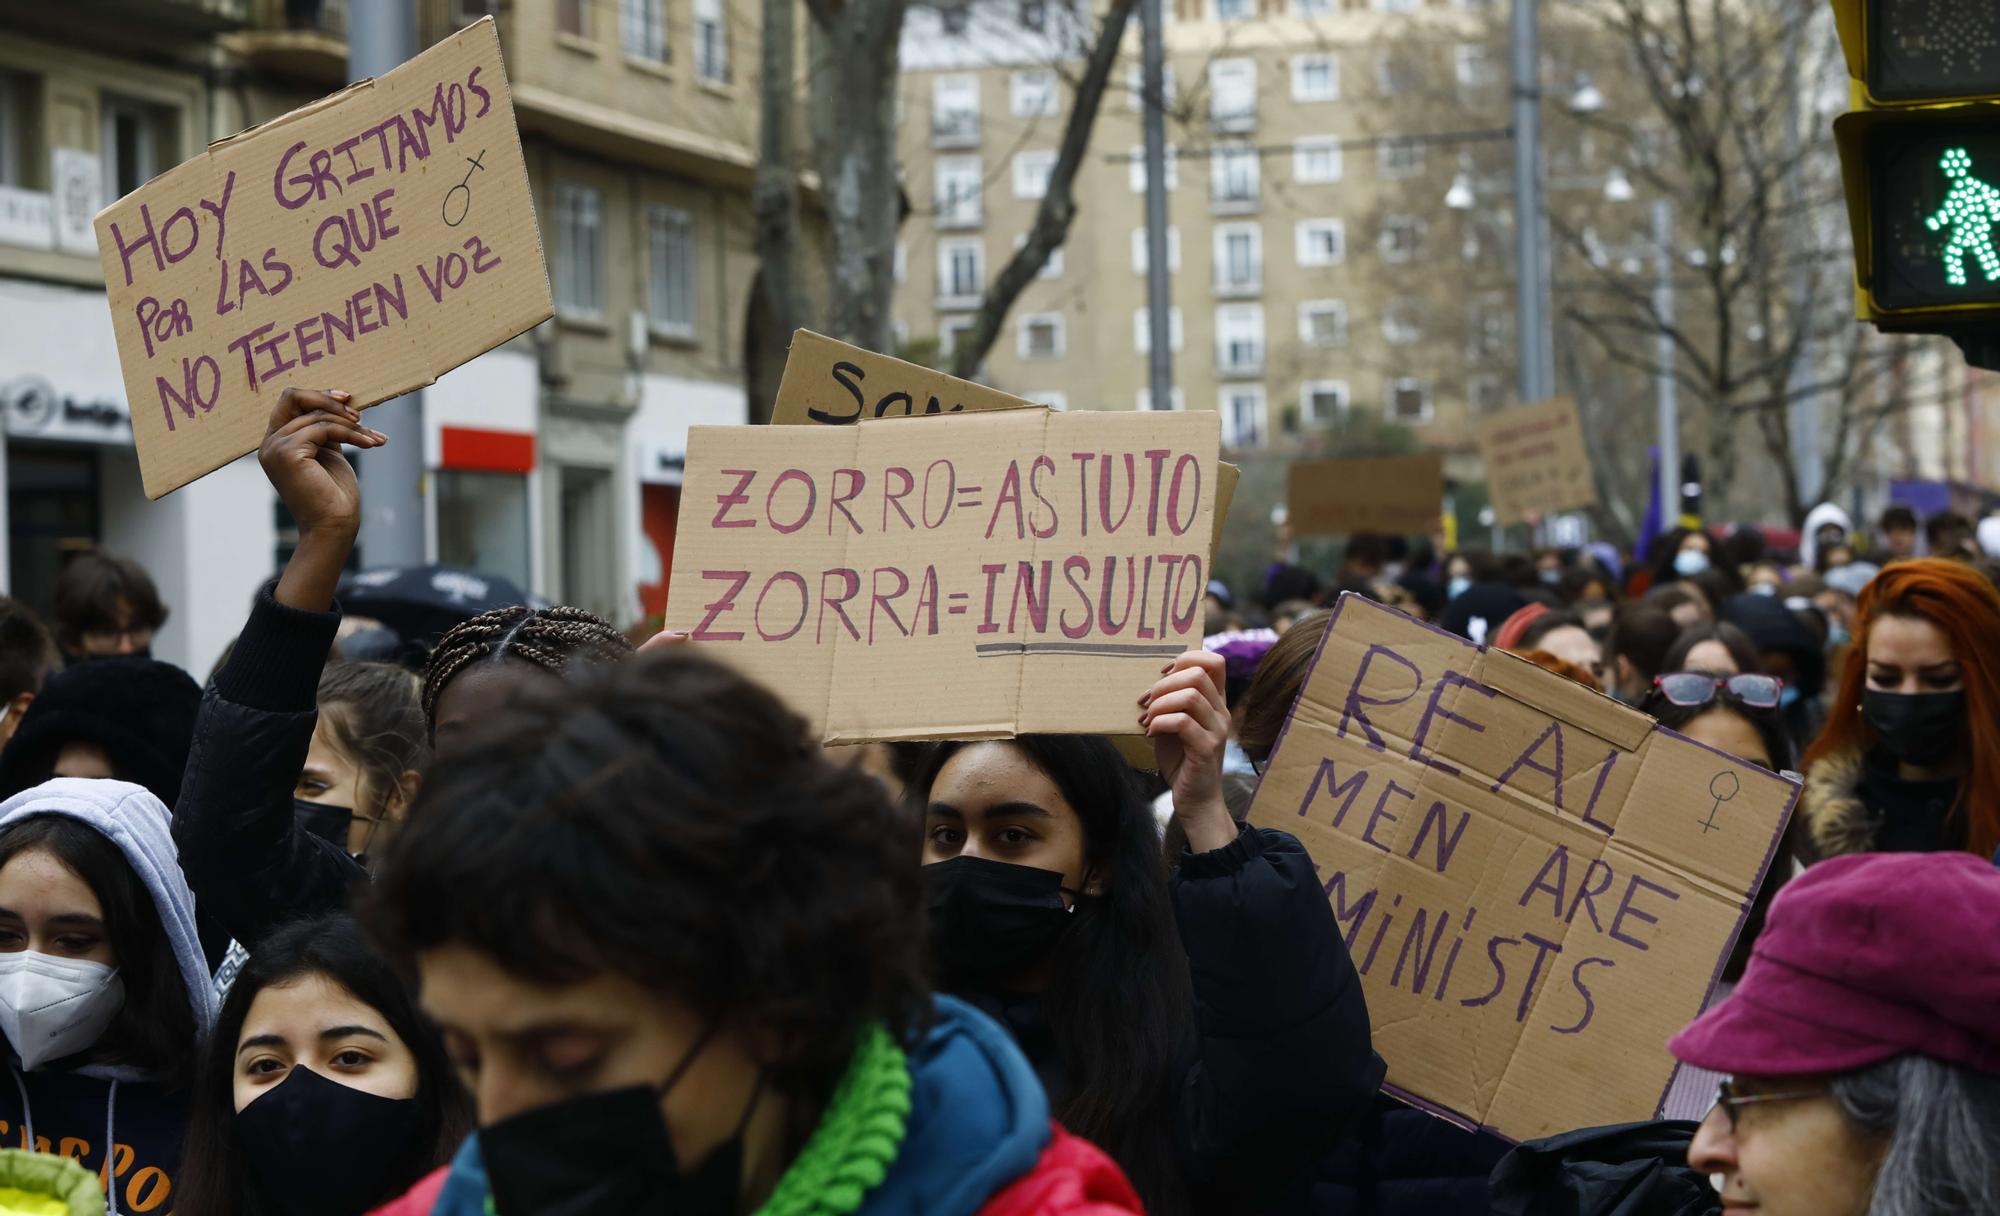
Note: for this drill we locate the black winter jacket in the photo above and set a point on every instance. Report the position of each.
(1281, 1064)
(251, 864)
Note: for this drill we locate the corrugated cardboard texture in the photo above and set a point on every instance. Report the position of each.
(1538, 885)
(1536, 463)
(1015, 571)
(832, 383)
(370, 241)
(1385, 494)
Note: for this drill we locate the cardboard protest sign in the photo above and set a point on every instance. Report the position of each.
(1014, 571)
(1536, 463)
(1538, 885)
(832, 383)
(1385, 494)
(372, 241)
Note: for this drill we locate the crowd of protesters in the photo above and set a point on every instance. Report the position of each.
(542, 924)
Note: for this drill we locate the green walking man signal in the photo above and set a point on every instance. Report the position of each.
(1970, 210)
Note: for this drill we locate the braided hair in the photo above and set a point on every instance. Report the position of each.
(549, 638)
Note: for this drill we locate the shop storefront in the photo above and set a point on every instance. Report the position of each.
(668, 406)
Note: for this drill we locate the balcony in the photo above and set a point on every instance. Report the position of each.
(306, 39)
(1233, 118)
(1233, 198)
(1239, 281)
(183, 16)
(955, 211)
(955, 129)
(1240, 361)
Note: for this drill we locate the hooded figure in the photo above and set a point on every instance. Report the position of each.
(1478, 614)
(92, 1093)
(1825, 515)
(1789, 650)
(138, 712)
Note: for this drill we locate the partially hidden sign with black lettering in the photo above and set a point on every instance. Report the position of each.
(1538, 885)
(1008, 572)
(1536, 462)
(370, 241)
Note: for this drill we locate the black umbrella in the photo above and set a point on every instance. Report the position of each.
(423, 603)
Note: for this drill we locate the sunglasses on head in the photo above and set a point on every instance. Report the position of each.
(1688, 689)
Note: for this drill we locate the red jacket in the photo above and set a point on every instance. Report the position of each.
(1072, 1178)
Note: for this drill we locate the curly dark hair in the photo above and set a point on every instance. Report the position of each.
(669, 821)
(550, 638)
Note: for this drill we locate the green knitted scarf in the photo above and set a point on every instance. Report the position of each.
(857, 1139)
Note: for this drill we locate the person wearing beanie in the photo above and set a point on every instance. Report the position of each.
(126, 718)
(1862, 1048)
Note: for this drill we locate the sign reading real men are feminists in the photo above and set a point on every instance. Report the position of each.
(1538, 885)
(984, 575)
(372, 240)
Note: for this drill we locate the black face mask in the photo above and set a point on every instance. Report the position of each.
(1922, 728)
(609, 1154)
(991, 920)
(326, 1149)
(324, 820)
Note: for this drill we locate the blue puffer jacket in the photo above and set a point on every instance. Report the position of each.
(978, 1122)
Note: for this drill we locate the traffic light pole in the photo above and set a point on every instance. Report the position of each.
(1667, 398)
(1159, 302)
(1531, 303)
(380, 35)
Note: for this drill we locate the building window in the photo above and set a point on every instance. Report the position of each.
(1052, 266)
(643, 28)
(1142, 331)
(957, 18)
(1395, 6)
(1031, 173)
(1475, 67)
(1239, 339)
(1058, 401)
(1041, 335)
(1243, 416)
(1323, 323)
(1233, 177)
(1316, 160)
(899, 263)
(1487, 332)
(670, 290)
(1136, 93)
(1402, 238)
(465, 12)
(1321, 242)
(1408, 402)
(483, 522)
(1322, 401)
(954, 111)
(1232, 94)
(579, 250)
(958, 191)
(952, 331)
(1137, 169)
(1312, 8)
(1485, 394)
(1233, 10)
(711, 41)
(961, 266)
(1396, 74)
(1032, 94)
(1403, 321)
(1034, 15)
(1239, 258)
(1139, 247)
(1315, 78)
(573, 18)
(1176, 399)
(138, 143)
(1399, 158)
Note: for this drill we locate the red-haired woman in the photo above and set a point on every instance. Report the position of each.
(1909, 760)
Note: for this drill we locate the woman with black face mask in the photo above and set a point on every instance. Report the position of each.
(1909, 760)
(1205, 1025)
(673, 948)
(323, 1092)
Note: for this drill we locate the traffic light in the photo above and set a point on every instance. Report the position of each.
(1920, 160)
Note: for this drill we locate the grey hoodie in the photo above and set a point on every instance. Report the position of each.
(79, 1112)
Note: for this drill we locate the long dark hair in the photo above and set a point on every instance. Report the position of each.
(374, 712)
(1731, 638)
(1119, 1002)
(154, 1030)
(215, 1180)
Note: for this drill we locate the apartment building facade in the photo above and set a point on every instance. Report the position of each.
(1340, 224)
(555, 459)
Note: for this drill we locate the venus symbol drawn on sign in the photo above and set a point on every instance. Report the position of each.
(1721, 787)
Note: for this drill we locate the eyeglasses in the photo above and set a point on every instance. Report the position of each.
(1689, 689)
(1730, 1099)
